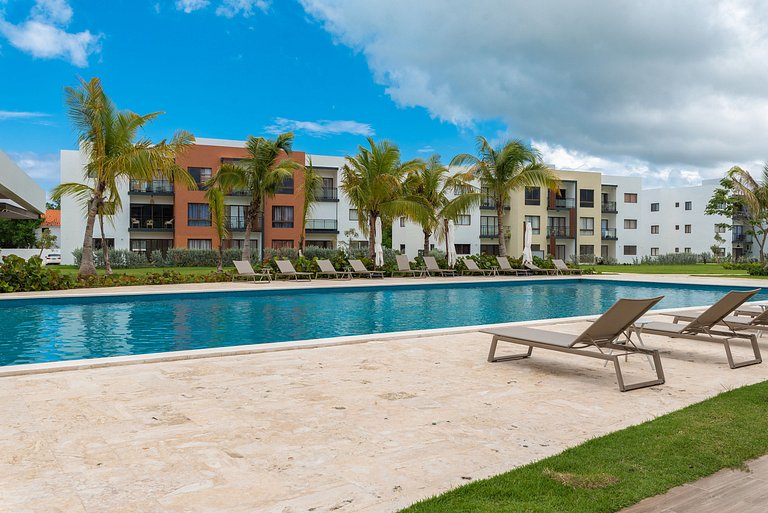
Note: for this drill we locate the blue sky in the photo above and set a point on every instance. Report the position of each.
(607, 86)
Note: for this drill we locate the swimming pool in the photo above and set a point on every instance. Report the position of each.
(45, 330)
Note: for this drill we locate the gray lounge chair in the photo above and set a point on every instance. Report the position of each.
(432, 267)
(599, 336)
(705, 327)
(287, 269)
(404, 267)
(505, 268)
(472, 268)
(538, 270)
(757, 322)
(562, 268)
(245, 270)
(327, 269)
(359, 269)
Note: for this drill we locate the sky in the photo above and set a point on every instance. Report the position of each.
(674, 91)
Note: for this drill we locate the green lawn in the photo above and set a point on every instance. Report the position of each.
(612, 472)
(140, 271)
(670, 269)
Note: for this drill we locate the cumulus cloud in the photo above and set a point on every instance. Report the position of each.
(671, 85)
(189, 6)
(44, 34)
(9, 114)
(246, 8)
(321, 128)
(42, 168)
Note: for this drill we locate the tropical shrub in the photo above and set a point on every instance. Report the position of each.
(19, 275)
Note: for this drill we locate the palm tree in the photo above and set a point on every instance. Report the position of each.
(373, 182)
(108, 137)
(312, 183)
(432, 184)
(261, 175)
(215, 198)
(753, 194)
(506, 169)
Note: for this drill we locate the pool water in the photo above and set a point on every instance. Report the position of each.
(44, 330)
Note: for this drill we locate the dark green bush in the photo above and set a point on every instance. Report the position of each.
(19, 275)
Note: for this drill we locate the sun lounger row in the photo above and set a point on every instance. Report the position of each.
(601, 339)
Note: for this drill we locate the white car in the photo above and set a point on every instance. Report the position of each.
(52, 258)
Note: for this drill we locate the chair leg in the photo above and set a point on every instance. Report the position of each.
(643, 384)
(755, 349)
(492, 353)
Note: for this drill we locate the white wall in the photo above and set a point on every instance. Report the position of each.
(636, 237)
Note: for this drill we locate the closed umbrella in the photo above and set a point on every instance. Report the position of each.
(450, 241)
(527, 255)
(379, 257)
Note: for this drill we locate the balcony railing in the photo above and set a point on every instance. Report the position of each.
(489, 232)
(157, 187)
(609, 234)
(560, 232)
(327, 194)
(239, 192)
(741, 237)
(237, 224)
(608, 207)
(487, 203)
(155, 223)
(322, 225)
(741, 214)
(561, 203)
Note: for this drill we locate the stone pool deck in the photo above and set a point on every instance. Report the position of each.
(369, 427)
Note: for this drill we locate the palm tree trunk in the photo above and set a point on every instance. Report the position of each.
(86, 260)
(445, 234)
(104, 247)
(426, 242)
(220, 268)
(253, 212)
(500, 225)
(761, 245)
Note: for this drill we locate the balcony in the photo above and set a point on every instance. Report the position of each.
(322, 226)
(608, 207)
(609, 234)
(327, 194)
(489, 232)
(741, 214)
(155, 223)
(560, 232)
(561, 203)
(488, 203)
(740, 237)
(156, 187)
(239, 192)
(237, 224)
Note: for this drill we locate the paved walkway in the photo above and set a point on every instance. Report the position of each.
(728, 491)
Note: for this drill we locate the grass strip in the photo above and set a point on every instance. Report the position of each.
(614, 471)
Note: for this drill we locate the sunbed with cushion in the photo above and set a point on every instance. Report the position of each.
(597, 341)
(404, 267)
(287, 269)
(538, 270)
(562, 268)
(707, 326)
(472, 268)
(433, 268)
(359, 269)
(327, 269)
(245, 270)
(505, 268)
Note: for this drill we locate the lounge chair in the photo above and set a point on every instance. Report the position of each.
(404, 267)
(758, 322)
(359, 269)
(432, 267)
(327, 269)
(705, 327)
(287, 269)
(245, 270)
(601, 335)
(538, 270)
(505, 268)
(562, 268)
(472, 268)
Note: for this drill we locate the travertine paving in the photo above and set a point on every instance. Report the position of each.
(368, 427)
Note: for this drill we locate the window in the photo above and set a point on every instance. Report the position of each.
(139, 245)
(677, 250)
(533, 196)
(630, 250)
(630, 197)
(236, 217)
(463, 220)
(353, 214)
(687, 228)
(199, 244)
(654, 229)
(654, 207)
(286, 187)
(630, 224)
(720, 228)
(677, 227)
(489, 249)
(200, 175)
(402, 222)
(535, 247)
(489, 226)
(325, 244)
(97, 243)
(587, 226)
(282, 217)
(677, 204)
(689, 205)
(587, 198)
(686, 250)
(402, 249)
(720, 252)
(198, 214)
(586, 250)
(462, 249)
(238, 244)
(535, 224)
(654, 251)
(280, 244)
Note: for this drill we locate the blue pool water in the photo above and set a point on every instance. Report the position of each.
(34, 331)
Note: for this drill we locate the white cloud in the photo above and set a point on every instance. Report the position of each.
(321, 128)
(44, 169)
(189, 6)
(9, 114)
(669, 85)
(44, 34)
(426, 149)
(246, 8)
